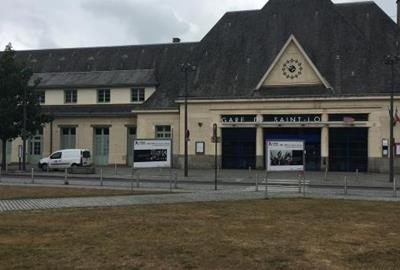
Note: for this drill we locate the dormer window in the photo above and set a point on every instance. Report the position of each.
(41, 95)
(70, 96)
(137, 95)
(103, 96)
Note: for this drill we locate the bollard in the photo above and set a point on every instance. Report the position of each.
(326, 174)
(32, 176)
(345, 185)
(357, 174)
(66, 177)
(6, 167)
(115, 168)
(176, 180)
(101, 177)
(257, 182)
(137, 180)
(304, 185)
(394, 188)
(250, 172)
(0, 174)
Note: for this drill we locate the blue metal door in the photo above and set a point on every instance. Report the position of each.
(238, 148)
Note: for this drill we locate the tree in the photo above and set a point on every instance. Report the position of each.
(16, 92)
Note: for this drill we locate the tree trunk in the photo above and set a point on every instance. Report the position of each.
(4, 154)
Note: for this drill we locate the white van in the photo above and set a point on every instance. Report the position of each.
(66, 159)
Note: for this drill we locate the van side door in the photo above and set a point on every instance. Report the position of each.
(55, 160)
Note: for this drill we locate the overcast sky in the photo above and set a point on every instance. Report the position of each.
(37, 24)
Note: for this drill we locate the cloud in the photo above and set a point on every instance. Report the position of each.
(147, 22)
(82, 23)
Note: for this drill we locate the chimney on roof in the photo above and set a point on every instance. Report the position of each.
(176, 40)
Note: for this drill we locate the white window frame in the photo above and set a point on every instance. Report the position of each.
(73, 98)
(138, 94)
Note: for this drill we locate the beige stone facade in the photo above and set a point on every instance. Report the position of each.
(203, 114)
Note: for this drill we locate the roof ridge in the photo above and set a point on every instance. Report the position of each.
(96, 71)
(109, 47)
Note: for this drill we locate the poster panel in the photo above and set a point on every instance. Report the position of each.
(152, 154)
(285, 156)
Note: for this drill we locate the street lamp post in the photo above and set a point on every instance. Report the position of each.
(391, 60)
(24, 132)
(186, 68)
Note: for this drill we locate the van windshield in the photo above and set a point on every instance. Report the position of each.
(86, 154)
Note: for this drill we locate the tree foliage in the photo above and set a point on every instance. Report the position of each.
(15, 89)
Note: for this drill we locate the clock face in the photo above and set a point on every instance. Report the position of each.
(292, 69)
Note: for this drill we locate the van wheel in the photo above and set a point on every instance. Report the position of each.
(44, 167)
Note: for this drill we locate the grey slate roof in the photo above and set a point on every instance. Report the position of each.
(162, 58)
(114, 78)
(346, 42)
(237, 52)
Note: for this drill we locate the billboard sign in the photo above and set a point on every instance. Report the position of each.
(285, 156)
(152, 154)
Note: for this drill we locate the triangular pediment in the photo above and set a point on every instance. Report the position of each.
(292, 67)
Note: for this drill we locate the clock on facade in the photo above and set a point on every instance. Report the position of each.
(292, 69)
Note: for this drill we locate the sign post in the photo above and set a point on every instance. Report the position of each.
(152, 154)
(285, 156)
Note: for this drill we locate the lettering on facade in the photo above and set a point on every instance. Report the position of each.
(239, 118)
(304, 118)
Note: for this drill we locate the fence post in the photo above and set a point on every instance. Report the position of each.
(137, 179)
(299, 176)
(257, 182)
(101, 177)
(176, 180)
(394, 188)
(170, 182)
(32, 176)
(66, 177)
(345, 185)
(266, 184)
(304, 184)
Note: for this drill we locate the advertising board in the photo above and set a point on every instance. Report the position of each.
(152, 154)
(285, 156)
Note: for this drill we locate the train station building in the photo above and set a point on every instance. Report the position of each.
(307, 70)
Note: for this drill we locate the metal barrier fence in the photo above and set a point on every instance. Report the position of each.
(249, 180)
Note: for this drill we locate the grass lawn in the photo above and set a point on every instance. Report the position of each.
(275, 234)
(21, 192)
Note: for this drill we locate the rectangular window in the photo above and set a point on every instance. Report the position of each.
(68, 138)
(41, 97)
(132, 131)
(163, 132)
(70, 96)
(103, 96)
(137, 94)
